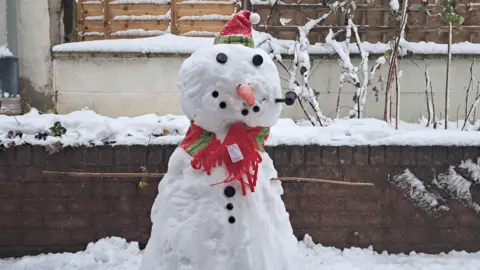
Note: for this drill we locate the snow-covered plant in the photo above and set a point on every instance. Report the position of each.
(359, 76)
(57, 129)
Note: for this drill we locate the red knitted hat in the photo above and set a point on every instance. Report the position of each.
(238, 29)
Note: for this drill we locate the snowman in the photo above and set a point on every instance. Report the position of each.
(217, 207)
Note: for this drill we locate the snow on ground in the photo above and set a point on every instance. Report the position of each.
(117, 254)
(5, 52)
(169, 43)
(88, 128)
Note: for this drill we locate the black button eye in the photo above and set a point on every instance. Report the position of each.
(215, 94)
(244, 112)
(222, 58)
(257, 60)
(256, 108)
(223, 105)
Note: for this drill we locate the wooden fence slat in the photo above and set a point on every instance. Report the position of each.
(138, 9)
(138, 24)
(203, 9)
(92, 26)
(91, 10)
(207, 26)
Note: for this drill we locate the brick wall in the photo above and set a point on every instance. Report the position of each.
(58, 213)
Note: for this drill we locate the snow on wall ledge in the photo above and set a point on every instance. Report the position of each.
(88, 128)
(169, 43)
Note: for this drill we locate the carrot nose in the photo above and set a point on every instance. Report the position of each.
(245, 91)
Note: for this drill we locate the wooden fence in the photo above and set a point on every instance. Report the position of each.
(115, 19)
(375, 21)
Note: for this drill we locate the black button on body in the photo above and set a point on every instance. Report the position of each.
(231, 220)
(229, 191)
(257, 60)
(256, 108)
(223, 105)
(215, 94)
(244, 112)
(229, 206)
(222, 58)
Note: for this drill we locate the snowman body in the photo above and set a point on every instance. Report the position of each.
(197, 226)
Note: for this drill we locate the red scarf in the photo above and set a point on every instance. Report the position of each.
(208, 152)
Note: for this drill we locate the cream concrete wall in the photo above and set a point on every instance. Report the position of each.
(3, 22)
(34, 43)
(117, 86)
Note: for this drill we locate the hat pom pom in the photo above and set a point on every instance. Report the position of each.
(254, 18)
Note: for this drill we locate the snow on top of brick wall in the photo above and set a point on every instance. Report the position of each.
(169, 43)
(88, 128)
(5, 52)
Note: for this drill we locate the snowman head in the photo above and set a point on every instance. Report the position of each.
(231, 81)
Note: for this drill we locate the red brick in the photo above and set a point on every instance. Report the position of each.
(290, 201)
(155, 154)
(115, 189)
(329, 237)
(11, 237)
(327, 205)
(144, 222)
(7, 157)
(363, 205)
(297, 155)
(47, 238)
(115, 221)
(44, 205)
(140, 236)
(62, 222)
(20, 221)
(133, 206)
(29, 174)
(330, 155)
(90, 205)
(471, 152)
(74, 155)
(313, 155)
(408, 155)
(282, 155)
(377, 155)
(325, 172)
(350, 220)
(345, 155)
(76, 189)
(440, 155)
(38, 190)
(287, 171)
(392, 155)
(138, 155)
(98, 156)
(360, 155)
(12, 205)
(23, 155)
(455, 155)
(423, 155)
(82, 237)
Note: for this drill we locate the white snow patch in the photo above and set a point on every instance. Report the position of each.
(284, 21)
(5, 52)
(418, 193)
(94, 18)
(140, 2)
(458, 187)
(394, 5)
(200, 34)
(138, 32)
(180, 44)
(142, 17)
(88, 128)
(115, 253)
(472, 168)
(211, 17)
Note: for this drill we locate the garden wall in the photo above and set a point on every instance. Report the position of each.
(59, 213)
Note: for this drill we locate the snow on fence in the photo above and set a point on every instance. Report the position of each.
(376, 20)
(119, 19)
